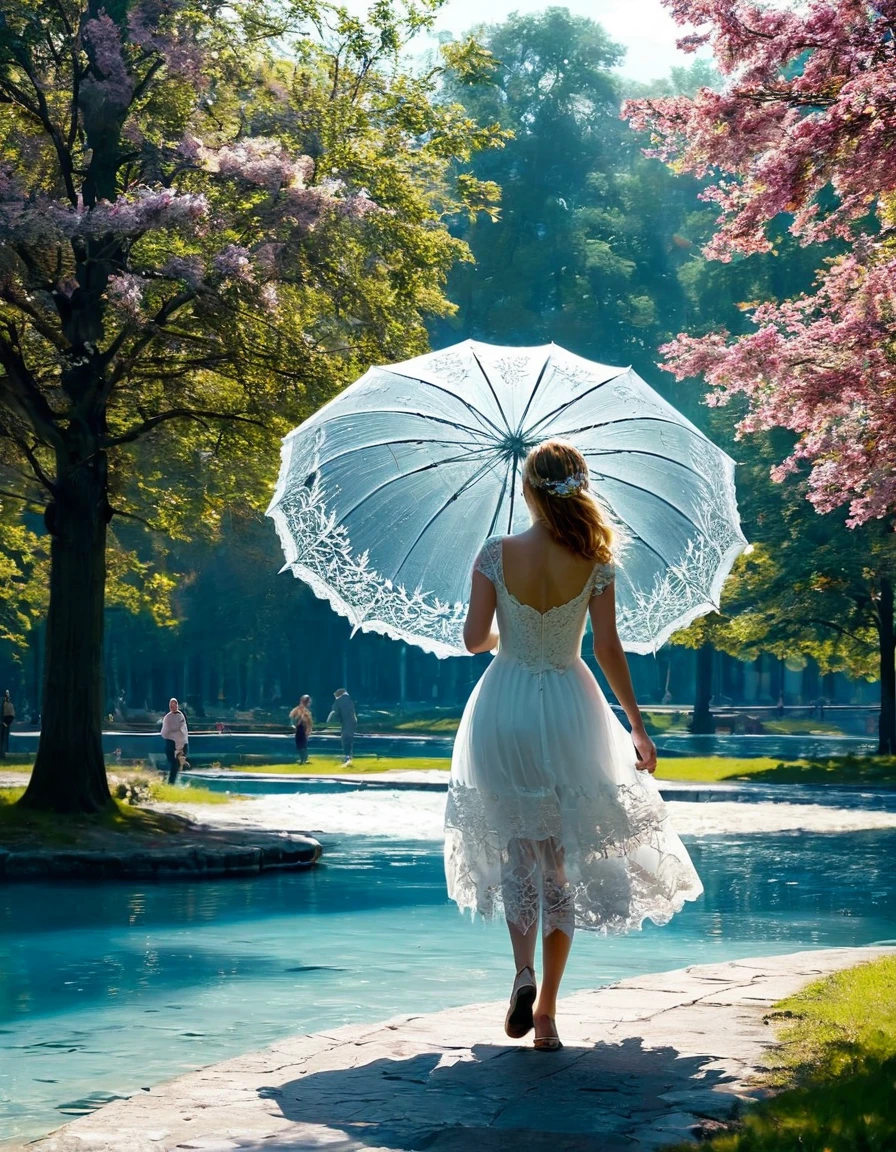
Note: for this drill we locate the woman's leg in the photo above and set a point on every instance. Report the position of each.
(555, 948)
(523, 944)
(557, 925)
(520, 891)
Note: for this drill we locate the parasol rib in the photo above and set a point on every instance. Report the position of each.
(397, 479)
(491, 388)
(465, 487)
(576, 399)
(535, 388)
(454, 396)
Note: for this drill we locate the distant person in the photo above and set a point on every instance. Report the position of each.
(177, 739)
(344, 713)
(9, 714)
(301, 717)
(779, 710)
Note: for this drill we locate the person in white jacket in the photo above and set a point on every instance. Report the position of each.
(176, 737)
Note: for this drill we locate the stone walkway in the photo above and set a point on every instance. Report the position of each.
(647, 1062)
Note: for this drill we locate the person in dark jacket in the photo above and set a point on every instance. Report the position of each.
(7, 715)
(344, 713)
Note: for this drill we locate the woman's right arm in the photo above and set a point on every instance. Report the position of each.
(610, 655)
(479, 634)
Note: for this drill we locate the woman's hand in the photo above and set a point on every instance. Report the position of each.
(646, 750)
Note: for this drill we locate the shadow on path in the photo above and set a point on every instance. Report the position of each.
(492, 1098)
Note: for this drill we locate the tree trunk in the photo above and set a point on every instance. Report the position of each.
(702, 722)
(69, 772)
(887, 730)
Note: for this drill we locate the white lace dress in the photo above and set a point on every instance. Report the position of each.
(545, 805)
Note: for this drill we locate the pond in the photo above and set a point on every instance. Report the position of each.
(107, 989)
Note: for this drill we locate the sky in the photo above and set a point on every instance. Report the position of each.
(643, 26)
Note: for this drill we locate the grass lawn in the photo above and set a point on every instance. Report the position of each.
(189, 793)
(361, 765)
(836, 1070)
(868, 770)
(800, 727)
(695, 769)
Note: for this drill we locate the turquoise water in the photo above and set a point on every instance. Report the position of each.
(107, 989)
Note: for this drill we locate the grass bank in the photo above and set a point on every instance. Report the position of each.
(835, 1073)
(20, 826)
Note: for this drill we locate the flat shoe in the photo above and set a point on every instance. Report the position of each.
(519, 1015)
(548, 1043)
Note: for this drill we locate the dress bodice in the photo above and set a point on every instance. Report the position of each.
(539, 641)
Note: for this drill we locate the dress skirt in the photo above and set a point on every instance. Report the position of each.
(547, 809)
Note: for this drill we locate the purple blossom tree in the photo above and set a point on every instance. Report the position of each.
(170, 269)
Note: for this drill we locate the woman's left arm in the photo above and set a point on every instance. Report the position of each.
(480, 635)
(610, 655)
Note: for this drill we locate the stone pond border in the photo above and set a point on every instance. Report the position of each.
(206, 855)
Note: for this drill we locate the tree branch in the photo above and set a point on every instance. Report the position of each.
(837, 628)
(20, 393)
(197, 414)
(46, 330)
(26, 500)
(42, 112)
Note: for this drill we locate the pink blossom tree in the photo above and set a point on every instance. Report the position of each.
(804, 133)
(175, 266)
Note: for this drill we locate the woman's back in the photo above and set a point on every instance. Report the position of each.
(542, 574)
(541, 608)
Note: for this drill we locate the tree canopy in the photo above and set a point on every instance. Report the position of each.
(212, 218)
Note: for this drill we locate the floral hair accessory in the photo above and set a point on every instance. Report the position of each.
(568, 486)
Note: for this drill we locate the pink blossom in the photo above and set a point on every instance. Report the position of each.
(269, 296)
(822, 366)
(152, 27)
(809, 107)
(356, 207)
(188, 269)
(41, 221)
(125, 292)
(267, 257)
(110, 83)
(235, 263)
(810, 102)
(258, 160)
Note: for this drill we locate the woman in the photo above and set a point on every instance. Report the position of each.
(551, 810)
(301, 717)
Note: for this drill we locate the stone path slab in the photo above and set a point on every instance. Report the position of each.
(647, 1061)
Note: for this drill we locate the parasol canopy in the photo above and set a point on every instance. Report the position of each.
(387, 493)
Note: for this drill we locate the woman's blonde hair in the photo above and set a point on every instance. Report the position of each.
(556, 476)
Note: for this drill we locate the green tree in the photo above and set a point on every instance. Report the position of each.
(201, 244)
(589, 239)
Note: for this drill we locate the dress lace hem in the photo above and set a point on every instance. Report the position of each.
(605, 861)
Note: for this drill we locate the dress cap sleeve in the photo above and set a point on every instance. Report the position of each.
(488, 562)
(604, 575)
